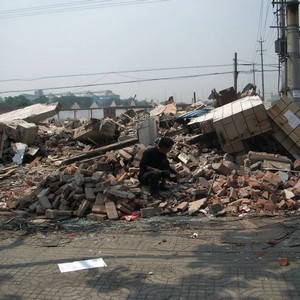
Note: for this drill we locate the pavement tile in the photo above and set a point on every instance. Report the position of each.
(167, 264)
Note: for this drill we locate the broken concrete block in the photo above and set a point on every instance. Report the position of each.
(96, 131)
(183, 158)
(255, 166)
(148, 212)
(33, 113)
(196, 205)
(111, 210)
(261, 156)
(288, 194)
(21, 131)
(125, 155)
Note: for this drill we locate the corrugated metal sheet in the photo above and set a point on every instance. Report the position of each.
(194, 113)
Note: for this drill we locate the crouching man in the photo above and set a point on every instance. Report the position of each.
(155, 167)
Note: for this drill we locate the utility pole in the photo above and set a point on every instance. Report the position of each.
(283, 47)
(253, 71)
(236, 73)
(262, 68)
(293, 58)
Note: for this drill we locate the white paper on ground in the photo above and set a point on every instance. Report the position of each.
(82, 265)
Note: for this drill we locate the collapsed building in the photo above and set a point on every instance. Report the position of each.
(237, 157)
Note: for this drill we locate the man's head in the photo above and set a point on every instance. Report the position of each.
(165, 145)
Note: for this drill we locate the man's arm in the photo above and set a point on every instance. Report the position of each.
(145, 161)
(173, 170)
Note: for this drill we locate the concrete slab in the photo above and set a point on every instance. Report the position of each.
(33, 113)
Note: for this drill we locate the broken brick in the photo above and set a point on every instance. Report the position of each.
(282, 205)
(84, 205)
(111, 210)
(183, 206)
(270, 205)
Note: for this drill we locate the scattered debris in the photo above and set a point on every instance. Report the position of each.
(89, 168)
(284, 261)
(82, 265)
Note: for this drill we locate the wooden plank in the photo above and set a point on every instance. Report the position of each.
(100, 151)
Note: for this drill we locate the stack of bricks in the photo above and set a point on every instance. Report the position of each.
(106, 187)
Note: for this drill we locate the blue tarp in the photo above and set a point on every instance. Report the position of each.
(194, 114)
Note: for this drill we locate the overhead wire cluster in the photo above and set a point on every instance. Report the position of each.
(93, 4)
(265, 35)
(122, 72)
(69, 7)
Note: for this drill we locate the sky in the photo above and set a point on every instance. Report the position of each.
(189, 41)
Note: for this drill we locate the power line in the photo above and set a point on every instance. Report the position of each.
(115, 72)
(132, 81)
(121, 73)
(9, 15)
(41, 7)
(121, 82)
(258, 29)
(266, 17)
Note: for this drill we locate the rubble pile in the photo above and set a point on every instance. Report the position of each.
(90, 168)
(106, 187)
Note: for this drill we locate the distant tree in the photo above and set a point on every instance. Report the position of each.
(84, 102)
(41, 99)
(17, 101)
(66, 101)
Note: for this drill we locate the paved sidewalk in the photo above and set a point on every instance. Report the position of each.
(147, 260)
